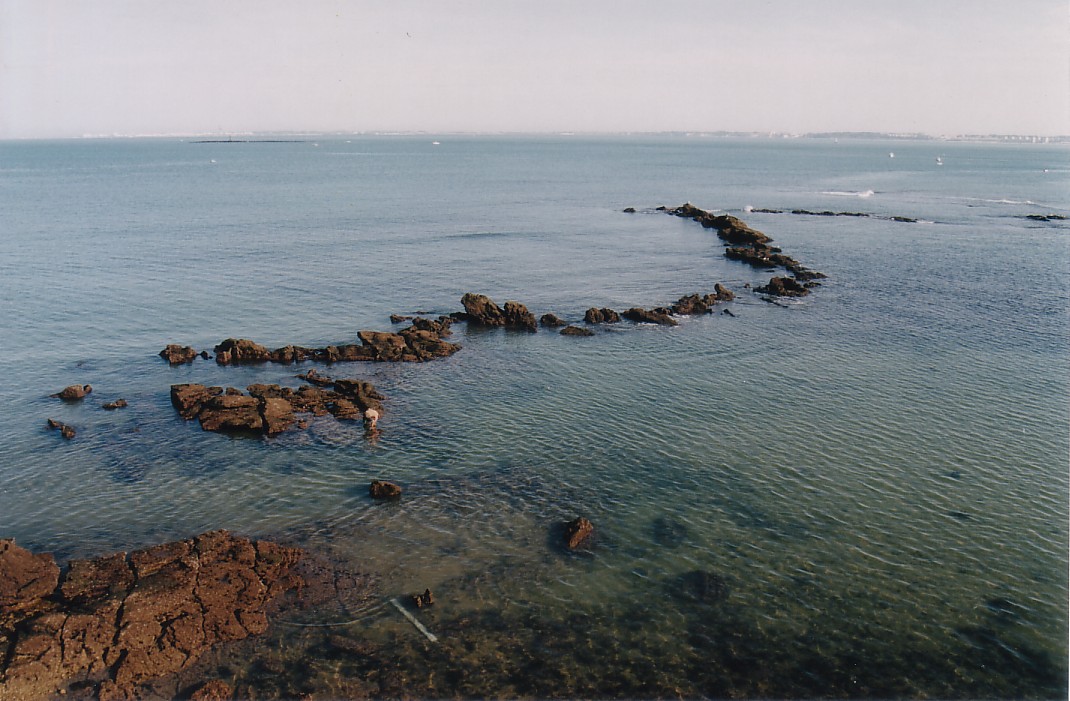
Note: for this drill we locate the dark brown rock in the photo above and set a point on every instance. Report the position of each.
(422, 600)
(649, 316)
(576, 331)
(722, 293)
(784, 287)
(629, 210)
(66, 431)
(231, 412)
(380, 489)
(483, 311)
(73, 393)
(399, 318)
(277, 415)
(178, 354)
(577, 532)
(188, 399)
(117, 404)
(237, 351)
(604, 315)
(551, 321)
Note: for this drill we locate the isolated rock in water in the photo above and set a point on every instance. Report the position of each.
(66, 431)
(73, 393)
(629, 210)
(117, 404)
(605, 315)
(236, 351)
(784, 287)
(380, 489)
(576, 331)
(551, 321)
(652, 316)
(119, 621)
(422, 600)
(577, 532)
(177, 354)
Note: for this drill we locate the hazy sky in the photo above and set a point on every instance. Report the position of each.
(74, 67)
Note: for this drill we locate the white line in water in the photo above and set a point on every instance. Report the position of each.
(412, 619)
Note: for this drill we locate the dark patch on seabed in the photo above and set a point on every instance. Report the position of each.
(600, 651)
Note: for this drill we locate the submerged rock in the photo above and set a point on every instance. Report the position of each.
(118, 621)
(117, 404)
(66, 431)
(576, 331)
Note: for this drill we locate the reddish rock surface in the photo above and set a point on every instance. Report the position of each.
(177, 354)
(271, 409)
(118, 621)
(73, 393)
(577, 532)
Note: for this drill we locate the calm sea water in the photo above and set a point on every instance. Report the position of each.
(863, 493)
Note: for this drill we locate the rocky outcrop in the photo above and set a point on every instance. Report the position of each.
(178, 354)
(576, 331)
(551, 321)
(649, 316)
(117, 404)
(483, 311)
(66, 431)
(73, 393)
(380, 489)
(784, 287)
(271, 409)
(702, 304)
(604, 315)
(115, 622)
(744, 243)
(421, 341)
(577, 532)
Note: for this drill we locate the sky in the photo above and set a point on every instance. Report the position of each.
(70, 68)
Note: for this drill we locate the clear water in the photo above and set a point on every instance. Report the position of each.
(878, 473)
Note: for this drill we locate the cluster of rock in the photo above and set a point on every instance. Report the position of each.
(272, 409)
(746, 244)
(482, 311)
(830, 213)
(76, 393)
(117, 621)
(421, 341)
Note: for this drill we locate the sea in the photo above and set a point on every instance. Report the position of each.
(860, 493)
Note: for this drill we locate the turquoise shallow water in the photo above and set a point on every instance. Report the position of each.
(876, 475)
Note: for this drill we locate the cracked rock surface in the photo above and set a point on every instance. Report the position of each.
(117, 621)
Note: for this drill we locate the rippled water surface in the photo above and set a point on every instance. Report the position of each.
(862, 493)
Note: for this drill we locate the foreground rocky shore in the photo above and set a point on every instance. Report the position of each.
(107, 625)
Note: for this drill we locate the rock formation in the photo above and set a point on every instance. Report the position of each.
(380, 489)
(118, 621)
(784, 287)
(271, 409)
(177, 354)
(576, 331)
(481, 310)
(551, 321)
(744, 243)
(649, 316)
(577, 532)
(73, 393)
(604, 315)
(66, 431)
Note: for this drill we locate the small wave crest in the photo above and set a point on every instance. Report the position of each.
(850, 193)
